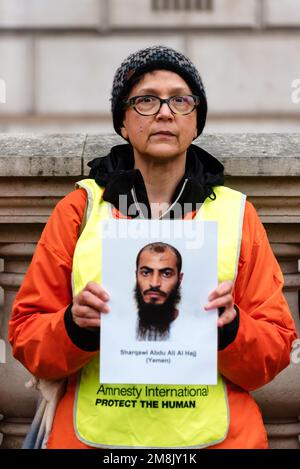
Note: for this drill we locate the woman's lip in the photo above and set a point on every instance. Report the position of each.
(165, 134)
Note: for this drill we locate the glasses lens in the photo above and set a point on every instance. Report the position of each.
(147, 105)
(182, 104)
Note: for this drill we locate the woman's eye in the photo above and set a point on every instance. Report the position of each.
(180, 100)
(146, 99)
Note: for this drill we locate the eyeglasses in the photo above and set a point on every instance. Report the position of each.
(149, 105)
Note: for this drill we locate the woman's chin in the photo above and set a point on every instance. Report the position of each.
(164, 150)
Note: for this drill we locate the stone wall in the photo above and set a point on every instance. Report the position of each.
(66, 52)
(36, 171)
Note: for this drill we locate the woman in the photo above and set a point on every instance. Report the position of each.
(158, 106)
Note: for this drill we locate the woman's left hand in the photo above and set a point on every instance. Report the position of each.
(221, 297)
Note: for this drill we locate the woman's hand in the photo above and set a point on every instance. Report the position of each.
(221, 298)
(89, 304)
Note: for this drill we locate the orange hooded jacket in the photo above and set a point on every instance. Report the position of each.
(261, 348)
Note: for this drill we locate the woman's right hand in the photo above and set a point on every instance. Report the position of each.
(89, 304)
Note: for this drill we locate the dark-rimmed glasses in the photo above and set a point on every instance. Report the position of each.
(149, 105)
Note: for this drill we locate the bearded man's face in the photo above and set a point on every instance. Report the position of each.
(157, 293)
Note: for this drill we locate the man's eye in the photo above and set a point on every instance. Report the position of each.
(144, 272)
(167, 273)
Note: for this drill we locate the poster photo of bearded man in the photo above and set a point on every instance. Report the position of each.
(157, 291)
(158, 281)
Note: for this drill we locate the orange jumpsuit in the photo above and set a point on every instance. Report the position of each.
(260, 350)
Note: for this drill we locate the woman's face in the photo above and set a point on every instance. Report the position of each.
(164, 136)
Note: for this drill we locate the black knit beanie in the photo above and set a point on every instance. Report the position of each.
(155, 58)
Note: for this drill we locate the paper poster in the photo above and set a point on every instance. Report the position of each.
(159, 275)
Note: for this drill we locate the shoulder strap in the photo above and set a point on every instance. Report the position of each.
(228, 210)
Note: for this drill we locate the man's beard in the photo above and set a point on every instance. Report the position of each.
(155, 319)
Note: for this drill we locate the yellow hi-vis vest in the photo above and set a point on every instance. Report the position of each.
(112, 415)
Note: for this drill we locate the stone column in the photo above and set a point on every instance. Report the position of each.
(36, 172)
(17, 401)
(279, 400)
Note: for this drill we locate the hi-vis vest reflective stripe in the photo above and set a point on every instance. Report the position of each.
(114, 416)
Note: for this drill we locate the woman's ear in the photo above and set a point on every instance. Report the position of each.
(124, 132)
